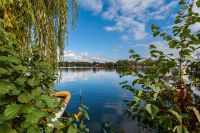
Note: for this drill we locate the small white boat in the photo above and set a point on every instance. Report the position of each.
(62, 94)
(66, 95)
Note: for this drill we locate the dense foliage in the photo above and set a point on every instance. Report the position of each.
(166, 94)
(31, 32)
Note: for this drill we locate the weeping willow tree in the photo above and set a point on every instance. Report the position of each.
(40, 25)
(32, 38)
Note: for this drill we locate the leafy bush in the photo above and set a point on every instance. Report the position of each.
(25, 92)
(27, 73)
(168, 98)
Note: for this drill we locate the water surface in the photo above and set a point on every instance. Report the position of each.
(103, 95)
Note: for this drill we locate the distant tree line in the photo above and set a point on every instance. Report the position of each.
(117, 64)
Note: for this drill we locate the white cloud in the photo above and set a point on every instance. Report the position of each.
(195, 27)
(129, 25)
(163, 11)
(195, 8)
(160, 45)
(84, 56)
(95, 6)
(131, 16)
(125, 38)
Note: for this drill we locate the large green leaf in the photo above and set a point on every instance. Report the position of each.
(5, 87)
(179, 117)
(196, 112)
(165, 122)
(72, 129)
(5, 127)
(37, 91)
(20, 81)
(34, 117)
(27, 108)
(34, 129)
(3, 71)
(189, 57)
(49, 100)
(152, 110)
(24, 98)
(180, 129)
(12, 111)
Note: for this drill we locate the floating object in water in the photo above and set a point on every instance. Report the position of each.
(67, 96)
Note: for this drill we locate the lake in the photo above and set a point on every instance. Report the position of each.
(103, 95)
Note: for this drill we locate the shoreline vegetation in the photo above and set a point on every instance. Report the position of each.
(117, 64)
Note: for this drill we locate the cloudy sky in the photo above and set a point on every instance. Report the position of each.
(107, 29)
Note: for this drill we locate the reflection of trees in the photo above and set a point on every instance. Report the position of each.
(94, 69)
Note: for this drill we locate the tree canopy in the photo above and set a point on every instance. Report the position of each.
(40, 25)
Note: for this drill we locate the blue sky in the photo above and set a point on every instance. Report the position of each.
(107, 29)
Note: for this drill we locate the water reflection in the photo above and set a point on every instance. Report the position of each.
(101, 93)
(74, 74)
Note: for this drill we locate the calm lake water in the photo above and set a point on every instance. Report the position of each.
(103, 95)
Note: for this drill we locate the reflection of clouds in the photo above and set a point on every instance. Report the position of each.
(118, 107)
(71, 76)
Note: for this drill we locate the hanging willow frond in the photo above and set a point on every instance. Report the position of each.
(40, 25)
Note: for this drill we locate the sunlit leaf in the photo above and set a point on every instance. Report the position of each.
(152, 109)
(12, 111)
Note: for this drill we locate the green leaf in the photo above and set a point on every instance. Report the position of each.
(198, 3)
(24, 98)
(180, 129)
(5, 87)
(20, 69)
(31, 82)
(12, 131)
(87, 116)
(35, 129)
(37, 91)
(156, 33)
(27, 108)
(48, 130)
(152, 110)
(155, 95)
(139, 93)
(72, 129)
(155, 88)
(196, 112)
(178, 21)
(20, 81)
(10, 59)
(165, 122)
(152, 47)
(189, 57)
(49, 100)
(12, 111)
(179, 117)
(182, 2)
(58, 124)
(5, 127)
(34, 117)
(3, 71)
